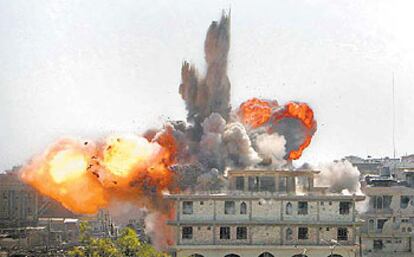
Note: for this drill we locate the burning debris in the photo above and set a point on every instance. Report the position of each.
(86, 176)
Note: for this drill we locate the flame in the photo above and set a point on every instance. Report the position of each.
(304, 114)
(61, 173)
(85, 177)
(124, 153)
(258, 112)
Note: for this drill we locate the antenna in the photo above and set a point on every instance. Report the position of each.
(393, 114)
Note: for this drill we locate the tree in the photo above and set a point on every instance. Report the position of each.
(127, 245)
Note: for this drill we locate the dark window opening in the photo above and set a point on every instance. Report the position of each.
(342, 234)
(241, 233)
(302, 208)
(380, 223)
(267, 184)
(187, 207)
(224, 232)
(302, 233)
(378, 245)
(187, 233)
(243, 208)
(405, 199)
(282, 184)
(344, 208)
(240, 183)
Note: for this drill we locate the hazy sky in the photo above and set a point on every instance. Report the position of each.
(88, 68)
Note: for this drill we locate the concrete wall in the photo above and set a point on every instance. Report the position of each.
(265, 235)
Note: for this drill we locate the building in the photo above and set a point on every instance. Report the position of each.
(19, 203)
(266, 213)
(389, 218)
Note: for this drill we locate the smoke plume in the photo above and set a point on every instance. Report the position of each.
(340, 177)
(182, 156)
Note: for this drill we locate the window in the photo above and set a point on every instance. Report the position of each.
(381, 201)
(240, 183)
(187, 207)
(289, 234)
(187, 233)
(380, 223)
(371, 225)
(342, 234)
(302, 208)
(330, 203)
(253, 184)
(327, 228)
(378, 244)
(409, 229)
(282, 184)
(322, 203)
(224, 232)
(243, 208)
(289, 208)
(403, 229)
(201, 203)
(405, 199)
(344, 208)
(229, 207)
(267, 183)
(302, 233)
(241, 233)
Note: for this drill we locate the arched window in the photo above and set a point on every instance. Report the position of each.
(289, 208)
(289, 234)
(243, 208)
(266, 254)
(371, 225)
(232, 255)
(196, 255)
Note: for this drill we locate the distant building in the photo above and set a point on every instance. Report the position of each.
(19, 203)
(266, 213)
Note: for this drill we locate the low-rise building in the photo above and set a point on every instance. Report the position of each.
(389, 217)
(266, 213)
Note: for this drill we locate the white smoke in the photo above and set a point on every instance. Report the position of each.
(272, 146)
(340, 177)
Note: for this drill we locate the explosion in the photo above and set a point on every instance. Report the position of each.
(256, 113)
(85, 176)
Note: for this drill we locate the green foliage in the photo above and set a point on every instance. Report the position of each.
(127, 245)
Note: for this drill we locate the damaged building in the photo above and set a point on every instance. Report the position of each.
(266, 213)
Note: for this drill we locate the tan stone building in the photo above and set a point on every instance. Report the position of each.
(267, 213)
(389, 218)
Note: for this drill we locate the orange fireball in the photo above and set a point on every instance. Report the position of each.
(256, 112)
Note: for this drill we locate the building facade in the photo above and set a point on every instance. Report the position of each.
(267, 213)
(389, 218)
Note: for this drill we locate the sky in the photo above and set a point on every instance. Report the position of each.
(86, 69)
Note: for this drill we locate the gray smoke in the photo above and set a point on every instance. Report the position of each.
(203, 96)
